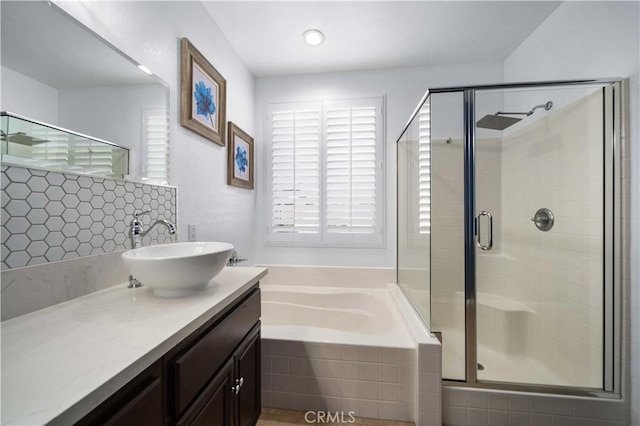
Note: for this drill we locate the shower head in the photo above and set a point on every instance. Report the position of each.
(498, 121)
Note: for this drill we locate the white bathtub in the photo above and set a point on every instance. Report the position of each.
(342, 339)
(348, 316)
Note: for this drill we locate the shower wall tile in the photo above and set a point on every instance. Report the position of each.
(553, 163)
(49, 216)
(447, 249)
(569, 270)
(545, 164)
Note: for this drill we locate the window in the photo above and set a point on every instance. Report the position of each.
(93, 156)
(325, 172)
(56, 150)
(418, 180)
(155, 142)
(78, 152)
(424, 168)
(295, 169)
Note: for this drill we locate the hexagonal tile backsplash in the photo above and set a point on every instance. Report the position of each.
(48, 216)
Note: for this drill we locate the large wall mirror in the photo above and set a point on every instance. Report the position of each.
(58, 72)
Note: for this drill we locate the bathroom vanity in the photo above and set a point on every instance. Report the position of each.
(126, 357)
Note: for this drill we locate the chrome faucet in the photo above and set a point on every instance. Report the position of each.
(136, 228)
(234, 259)
(136, 232)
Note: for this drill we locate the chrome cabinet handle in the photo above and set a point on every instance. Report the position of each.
(478, 233)
(239, 382)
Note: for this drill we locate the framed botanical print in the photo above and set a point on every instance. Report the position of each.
(203, 95)
(240, 167)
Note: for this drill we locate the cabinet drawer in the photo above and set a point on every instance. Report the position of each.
(138, 402)
(145, 407)
(194, 368)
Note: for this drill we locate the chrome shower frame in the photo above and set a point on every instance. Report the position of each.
(612, 326)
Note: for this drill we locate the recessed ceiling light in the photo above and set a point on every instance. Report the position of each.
(145, 69)
(313, 37)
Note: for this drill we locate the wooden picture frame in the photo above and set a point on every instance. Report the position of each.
(203, 95)
(240, 164)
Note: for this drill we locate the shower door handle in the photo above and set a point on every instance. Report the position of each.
(478, 233)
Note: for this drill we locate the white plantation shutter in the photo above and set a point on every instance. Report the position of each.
(155, 136)
(294, 135)
(73, 152)
(93, 157)
(424, 168)
(54, 151)
(326, 172)
(352, 164)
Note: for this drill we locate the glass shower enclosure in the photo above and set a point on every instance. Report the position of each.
(508, 229)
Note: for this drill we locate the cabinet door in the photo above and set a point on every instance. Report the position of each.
(248, 371)
(215, 405)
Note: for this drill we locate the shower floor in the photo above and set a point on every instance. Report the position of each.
(497, 366)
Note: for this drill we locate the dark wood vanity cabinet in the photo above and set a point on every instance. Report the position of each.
(214, 372)
(211, 378)
(232, 397)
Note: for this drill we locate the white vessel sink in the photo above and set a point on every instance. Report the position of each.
(177, 269)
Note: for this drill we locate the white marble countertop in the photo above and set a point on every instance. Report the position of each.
(61, 362)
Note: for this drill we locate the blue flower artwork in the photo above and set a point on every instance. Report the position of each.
(205, 98)
(241, 159)
(203, 95)
(205, 104)
(241, 156)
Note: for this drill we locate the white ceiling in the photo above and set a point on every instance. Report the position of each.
(364, 35)
(42, 42)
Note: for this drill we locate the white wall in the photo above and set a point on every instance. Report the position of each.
(587, 40)
(28, 97)
(403, 89)
(150, 33)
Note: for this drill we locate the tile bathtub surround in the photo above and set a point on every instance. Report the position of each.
(379, 383)
(49, 216)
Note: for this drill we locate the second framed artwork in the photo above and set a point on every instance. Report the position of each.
(204, 95)
(240, 167)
